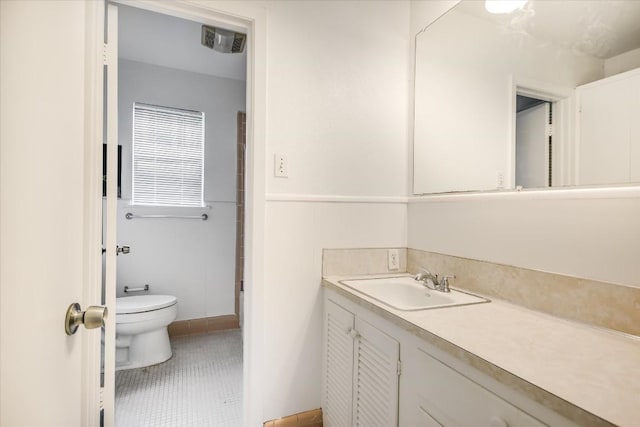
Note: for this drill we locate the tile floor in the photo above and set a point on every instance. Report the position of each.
(200, 386)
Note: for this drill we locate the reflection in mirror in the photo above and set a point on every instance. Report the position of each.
(545, 96)
(534, 142)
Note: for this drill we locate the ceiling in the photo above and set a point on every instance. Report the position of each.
(598, 28)
(172, 42)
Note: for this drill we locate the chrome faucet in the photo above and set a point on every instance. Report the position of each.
(441, 285)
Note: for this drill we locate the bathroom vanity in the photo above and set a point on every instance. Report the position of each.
(489, 364)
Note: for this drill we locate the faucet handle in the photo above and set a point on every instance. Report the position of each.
(444, 282)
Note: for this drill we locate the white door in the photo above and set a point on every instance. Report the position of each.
(532, 147)
(50, 186)
(606, 119)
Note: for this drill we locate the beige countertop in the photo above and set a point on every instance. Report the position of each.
(587, 374)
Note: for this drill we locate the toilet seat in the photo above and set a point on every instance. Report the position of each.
(143, 303)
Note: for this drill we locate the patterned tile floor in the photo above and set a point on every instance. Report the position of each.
(200, 386)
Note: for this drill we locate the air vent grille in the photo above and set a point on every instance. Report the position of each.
(239, 41)
(221, 40)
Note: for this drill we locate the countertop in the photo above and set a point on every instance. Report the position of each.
(587, 374)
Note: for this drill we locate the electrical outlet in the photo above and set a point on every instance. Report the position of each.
(280, 166)
(500, 179)
(393, 259)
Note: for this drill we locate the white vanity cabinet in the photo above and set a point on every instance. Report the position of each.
(441, 396)
(377, 373)
(360, 373)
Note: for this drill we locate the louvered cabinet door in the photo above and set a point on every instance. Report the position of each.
(375, 379)
(338, 388)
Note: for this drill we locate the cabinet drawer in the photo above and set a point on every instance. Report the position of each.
(447, 398)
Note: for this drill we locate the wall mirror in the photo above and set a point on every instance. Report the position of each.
(545, 96)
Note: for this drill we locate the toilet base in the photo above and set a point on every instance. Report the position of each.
(141, 350)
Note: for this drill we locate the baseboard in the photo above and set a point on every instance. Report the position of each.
(311, 418)
(206, 325)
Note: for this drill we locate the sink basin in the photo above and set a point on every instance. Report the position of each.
(407, 294)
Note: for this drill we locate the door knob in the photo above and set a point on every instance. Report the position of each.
(93, 317)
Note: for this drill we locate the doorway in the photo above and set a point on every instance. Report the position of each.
(534, 142)
(541, 137)
(180, 246)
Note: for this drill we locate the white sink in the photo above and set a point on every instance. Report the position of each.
(407, 294)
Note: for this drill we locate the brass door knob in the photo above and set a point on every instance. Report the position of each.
(93, 317)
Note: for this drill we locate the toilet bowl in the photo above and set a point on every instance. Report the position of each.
(141, 330)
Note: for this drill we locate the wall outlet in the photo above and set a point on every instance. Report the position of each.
(500, 179)
(393, 259)
(280, 166)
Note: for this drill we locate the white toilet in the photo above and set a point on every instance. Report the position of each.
(141, 330)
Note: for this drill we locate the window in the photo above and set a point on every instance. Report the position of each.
(168, 155)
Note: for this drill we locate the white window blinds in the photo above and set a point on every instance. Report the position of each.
(168, 153)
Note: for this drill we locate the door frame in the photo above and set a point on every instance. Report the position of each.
(92, 262)
(563, 100)
(233, 15)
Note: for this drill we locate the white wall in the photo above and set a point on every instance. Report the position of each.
(338, 96)
(338, 107)
(595, 237)
(464, 69)
(624, 62)
(191, 259)
(296, 234)
(423, 13)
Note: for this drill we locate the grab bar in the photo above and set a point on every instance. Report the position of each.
(128, 289)
(203, 217)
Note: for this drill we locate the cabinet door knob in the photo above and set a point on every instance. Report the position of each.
(353, 334)
(497, 422)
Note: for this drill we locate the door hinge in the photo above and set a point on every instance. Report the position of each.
(105, 55)
(101, 398)
(399, 367)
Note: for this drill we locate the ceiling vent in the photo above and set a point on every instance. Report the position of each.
(224, 41)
